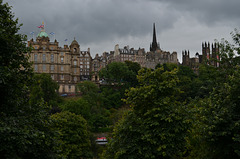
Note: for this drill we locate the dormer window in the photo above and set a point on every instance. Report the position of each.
(75, 50)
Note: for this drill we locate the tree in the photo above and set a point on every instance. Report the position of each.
(156, 128)
(99, 116)
(79, 107)
(74, 137)
(133, 67)
(15, 70)
(45, 88)
(218, 119)
(24, 128)
(118, 73)
(215, 131)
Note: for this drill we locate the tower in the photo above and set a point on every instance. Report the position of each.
(185, 58)
(215, 54)
(205, 52)
(154, 46)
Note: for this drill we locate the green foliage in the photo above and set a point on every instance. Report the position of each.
(112, 97)
(74, 137)
(118, 73)
(87, 88)
(114, 72)
(92, 101)
(78, 106)
(215, 116)
(27, 134)
(15, 71)
(156, 128)
(45, 88)
(24, 128)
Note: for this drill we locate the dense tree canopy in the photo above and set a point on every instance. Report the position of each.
(45, 88)
(74, 137)
(24, 128)
(156, 128)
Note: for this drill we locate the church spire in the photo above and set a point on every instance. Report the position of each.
(154, 34)
(154, 45)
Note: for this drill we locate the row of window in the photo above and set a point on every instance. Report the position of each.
(44, 58)
(44, 48)
(52, 59)
(52, 67)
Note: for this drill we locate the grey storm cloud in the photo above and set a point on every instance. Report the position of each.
(100, 24)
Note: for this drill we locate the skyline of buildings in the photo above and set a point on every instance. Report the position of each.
(69, 65)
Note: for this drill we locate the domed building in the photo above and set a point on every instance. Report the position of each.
(42, 34)
(67, 65)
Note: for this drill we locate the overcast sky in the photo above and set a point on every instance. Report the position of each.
(101, 24)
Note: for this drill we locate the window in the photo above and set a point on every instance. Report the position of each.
(36, 47)
(75, 79)
(35, 67)
(75, 63)
(69, 88)
(52, 67)
(87, 66)
(75, 70)
(81, 62)
(62, 77)
(51, 48)
(44, 58)
(35, 57)
(81, 66)
(62, 59)
(44, 67)
(75, 49)
(44, 47)
(61, 68)
(52, 58)
(61, 53)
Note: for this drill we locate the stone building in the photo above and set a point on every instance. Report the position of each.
(192, 62)
(67, 66)
(128, 54)
(209, 56)
(158, 56)
(149, 60)
(98, 63)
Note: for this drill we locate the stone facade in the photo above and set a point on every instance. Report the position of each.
(128, 54)
(209, 56)
(149, 60)
(67, 66)
(70, 65)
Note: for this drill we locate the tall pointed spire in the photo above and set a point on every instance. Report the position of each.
(154, 35)
(154, 46)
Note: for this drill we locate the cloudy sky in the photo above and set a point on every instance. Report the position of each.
(101, 24)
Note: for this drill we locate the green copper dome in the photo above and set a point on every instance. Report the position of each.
(42, 34)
